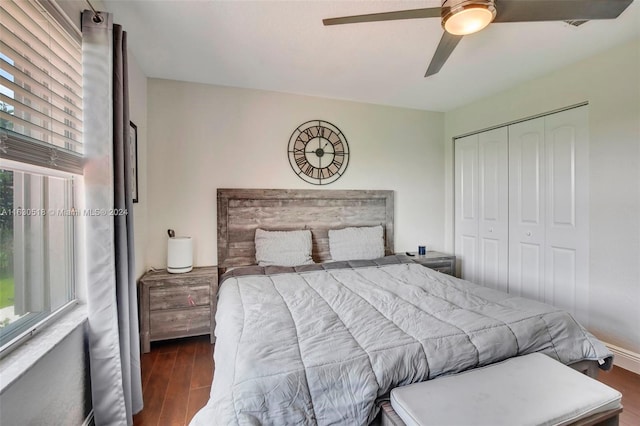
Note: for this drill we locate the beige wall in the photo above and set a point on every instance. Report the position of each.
(138, 115)
(610, 82)
(204, 137)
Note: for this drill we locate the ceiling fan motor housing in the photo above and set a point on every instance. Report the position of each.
(462, 17)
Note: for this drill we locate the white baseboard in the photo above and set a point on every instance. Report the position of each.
(624, 358)
(89, 421)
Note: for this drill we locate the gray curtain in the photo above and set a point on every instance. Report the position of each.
(110, 266)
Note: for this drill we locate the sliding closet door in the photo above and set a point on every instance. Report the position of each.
(493, 205)
(549, 210)
(527, 209)
(567, 211)
(522, 209)
(466, 205)
(481, 176)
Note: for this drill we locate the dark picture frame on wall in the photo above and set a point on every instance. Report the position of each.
(133, 160)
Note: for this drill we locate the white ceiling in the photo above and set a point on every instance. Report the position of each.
(282, 46)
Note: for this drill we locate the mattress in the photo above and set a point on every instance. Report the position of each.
(319, 344)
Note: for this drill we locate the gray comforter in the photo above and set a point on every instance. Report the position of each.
(321, 345)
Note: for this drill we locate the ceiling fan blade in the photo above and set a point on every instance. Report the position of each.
(448, 42)
(558, 10)
(430, 12)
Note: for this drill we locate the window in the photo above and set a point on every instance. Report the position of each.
(36, 248)
(40, 164)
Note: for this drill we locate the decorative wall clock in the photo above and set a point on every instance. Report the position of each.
(318, 152)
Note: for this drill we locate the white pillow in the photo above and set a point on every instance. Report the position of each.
(356, 243)
(283, 248)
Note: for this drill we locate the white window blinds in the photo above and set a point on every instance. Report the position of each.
(40, 88)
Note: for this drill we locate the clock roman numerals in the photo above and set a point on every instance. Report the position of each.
(326, 173)
(310, 133)
(309, 170)
(301, 161)
(333, 168)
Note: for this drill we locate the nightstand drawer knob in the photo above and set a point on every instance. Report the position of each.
(191, 301)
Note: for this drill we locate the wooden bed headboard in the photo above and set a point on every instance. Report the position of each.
(242, 211)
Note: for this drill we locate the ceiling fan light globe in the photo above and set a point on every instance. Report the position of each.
(467, 17)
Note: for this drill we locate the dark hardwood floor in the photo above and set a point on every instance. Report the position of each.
(628, 384)
(176, 381)
(177, 374)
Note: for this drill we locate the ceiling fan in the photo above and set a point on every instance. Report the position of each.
(463, 17)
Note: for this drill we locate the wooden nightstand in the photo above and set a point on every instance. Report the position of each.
(441, 262)
(177, 305)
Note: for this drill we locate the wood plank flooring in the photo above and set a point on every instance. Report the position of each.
(176, 381)
(628, 384)
(177, 375)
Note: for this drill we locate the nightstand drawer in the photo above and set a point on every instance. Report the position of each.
(444, 269)
(180, 322)
(437, 264)
(446, 266)
(184, 296)
(437, 261)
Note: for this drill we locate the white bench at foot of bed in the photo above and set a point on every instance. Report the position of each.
(528, 390)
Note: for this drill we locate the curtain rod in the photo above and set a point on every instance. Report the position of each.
(97, 18)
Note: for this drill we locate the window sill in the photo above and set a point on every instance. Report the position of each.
(20, 360)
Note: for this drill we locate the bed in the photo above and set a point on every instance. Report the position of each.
(325, 342)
